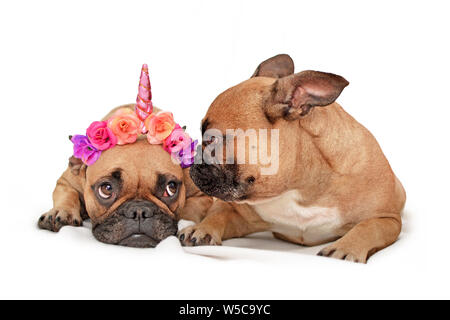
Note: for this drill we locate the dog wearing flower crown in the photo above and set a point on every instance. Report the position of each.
(129, 174)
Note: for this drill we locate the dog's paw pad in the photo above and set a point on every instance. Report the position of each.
(197, 236)
(55, 219)
(343, 253)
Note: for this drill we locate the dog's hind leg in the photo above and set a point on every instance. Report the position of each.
(366, 238)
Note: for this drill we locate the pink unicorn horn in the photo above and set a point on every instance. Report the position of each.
(144, 106)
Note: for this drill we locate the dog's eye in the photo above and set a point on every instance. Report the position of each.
(210, 140)
(105, 190)
(171, 189)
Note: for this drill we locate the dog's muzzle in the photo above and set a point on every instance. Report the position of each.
(220, 181)
(136, 223)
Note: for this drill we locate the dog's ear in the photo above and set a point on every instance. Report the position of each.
(76, 166)
(294, 96)
(276, 67)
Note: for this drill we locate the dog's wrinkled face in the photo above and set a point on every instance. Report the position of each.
(271, 100)
(131, 195)
(239, 107)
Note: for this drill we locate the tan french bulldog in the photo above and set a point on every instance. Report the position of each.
(333, 180)
(134, 195)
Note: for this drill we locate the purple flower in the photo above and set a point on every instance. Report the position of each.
(186, 155)
(84, 150)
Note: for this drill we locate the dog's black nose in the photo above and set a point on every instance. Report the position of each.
(210, 170)
(138, 213)
(206, 175)
(138, 210)
(218, 181)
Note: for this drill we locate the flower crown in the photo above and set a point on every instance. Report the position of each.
(126, 125)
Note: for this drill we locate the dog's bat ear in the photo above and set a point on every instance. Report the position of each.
(279, 66)
(76, 165)
(294, 96)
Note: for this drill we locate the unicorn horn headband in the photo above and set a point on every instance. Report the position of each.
(126, 125)
(144, 105)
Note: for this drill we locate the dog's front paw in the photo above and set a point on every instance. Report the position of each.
(199, 235)
(55, 219)
(344, 251)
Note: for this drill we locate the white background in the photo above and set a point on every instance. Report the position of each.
(64, 64)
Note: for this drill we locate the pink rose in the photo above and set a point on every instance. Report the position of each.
(124, 124)
(159, 126)
(100, 136)
(176, 141)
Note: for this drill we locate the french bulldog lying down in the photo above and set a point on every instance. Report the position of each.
(333, 181)
(134, 195)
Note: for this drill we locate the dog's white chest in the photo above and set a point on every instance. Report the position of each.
(307, 225)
